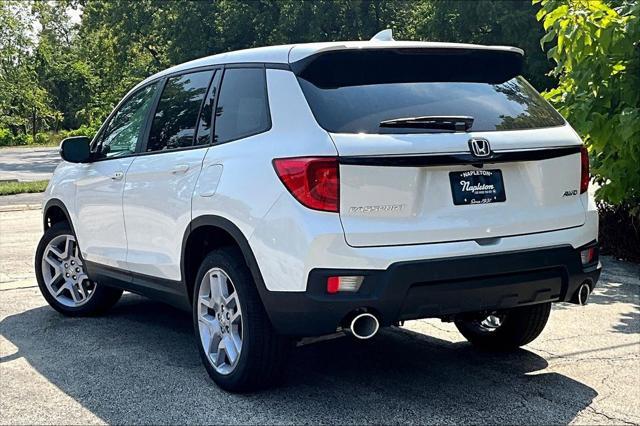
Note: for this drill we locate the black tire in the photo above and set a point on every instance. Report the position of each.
(519, 327)
(263, 353)
(103, 297)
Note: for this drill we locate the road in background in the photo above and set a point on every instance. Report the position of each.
(27, 164)
(139, 364)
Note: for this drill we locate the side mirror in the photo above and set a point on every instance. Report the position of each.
(75, 149)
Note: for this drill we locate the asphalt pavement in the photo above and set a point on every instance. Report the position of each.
(138, 364)
(27, 164)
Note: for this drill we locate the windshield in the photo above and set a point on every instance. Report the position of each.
(510, 105)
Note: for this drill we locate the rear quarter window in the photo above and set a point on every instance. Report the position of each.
(243, 108)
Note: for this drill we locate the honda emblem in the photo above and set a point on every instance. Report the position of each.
(479, 147)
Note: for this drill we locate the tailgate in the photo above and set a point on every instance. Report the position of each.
(400, 195)
(442, 144)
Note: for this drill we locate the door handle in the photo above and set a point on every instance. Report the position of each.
(180, 168)
(117, 175)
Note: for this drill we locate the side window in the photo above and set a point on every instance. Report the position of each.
(175, 119)
(123, 132)
(203, 137)
(243, 109)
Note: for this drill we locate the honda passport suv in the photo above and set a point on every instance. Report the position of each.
(303, 190)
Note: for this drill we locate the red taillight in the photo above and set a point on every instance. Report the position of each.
(584, 166)
(313, 181)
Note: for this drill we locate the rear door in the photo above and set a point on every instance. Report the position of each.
(436, 147)
(161, 180)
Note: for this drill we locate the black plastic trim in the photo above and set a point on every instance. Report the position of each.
(213, 110)
(55, 202)
(143, 138)
(168, 291)
(460, 158)
(245, 65)
(235, 232)
(277, 66)
(434, 288)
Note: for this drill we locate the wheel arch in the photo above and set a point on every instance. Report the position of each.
(228, 234)
(54, 212)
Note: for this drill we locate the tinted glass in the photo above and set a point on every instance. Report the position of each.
(510, 105)
(123, 131)
(175, 119)
(242, 109)
(205, 123)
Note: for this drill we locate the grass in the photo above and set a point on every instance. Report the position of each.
(33, 145)
(11, 188)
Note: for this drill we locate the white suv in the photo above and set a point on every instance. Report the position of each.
(295, 191)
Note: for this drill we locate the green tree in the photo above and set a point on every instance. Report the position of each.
(22, 101)
(65, 77)
(120, 45)
(122, 42)
(484, 22)
(72, 75)
(596, 50)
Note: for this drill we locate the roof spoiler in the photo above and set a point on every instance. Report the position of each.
(394, 63)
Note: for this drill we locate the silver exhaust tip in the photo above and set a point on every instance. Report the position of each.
(583, 294)
(364, 326)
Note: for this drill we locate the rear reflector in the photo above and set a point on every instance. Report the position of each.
(313, 181)
(588, 255)
(584, 172)
(349, 284)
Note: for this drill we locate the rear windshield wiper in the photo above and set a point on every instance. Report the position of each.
(454, 123)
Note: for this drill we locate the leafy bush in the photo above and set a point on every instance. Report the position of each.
(619, 234)
(41, 139)
(598, 65)
(54, 138)
(89, 130)
(7, 138)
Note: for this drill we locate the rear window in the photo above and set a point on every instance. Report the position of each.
(369, 90)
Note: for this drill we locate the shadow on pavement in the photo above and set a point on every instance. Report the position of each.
(139, 365)
(629, 322)
(609, 293)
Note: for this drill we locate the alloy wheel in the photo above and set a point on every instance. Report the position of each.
(220, 320)
(64, 274)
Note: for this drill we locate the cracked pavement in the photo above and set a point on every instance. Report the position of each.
(138, 364)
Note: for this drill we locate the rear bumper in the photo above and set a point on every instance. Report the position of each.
(435, 288)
